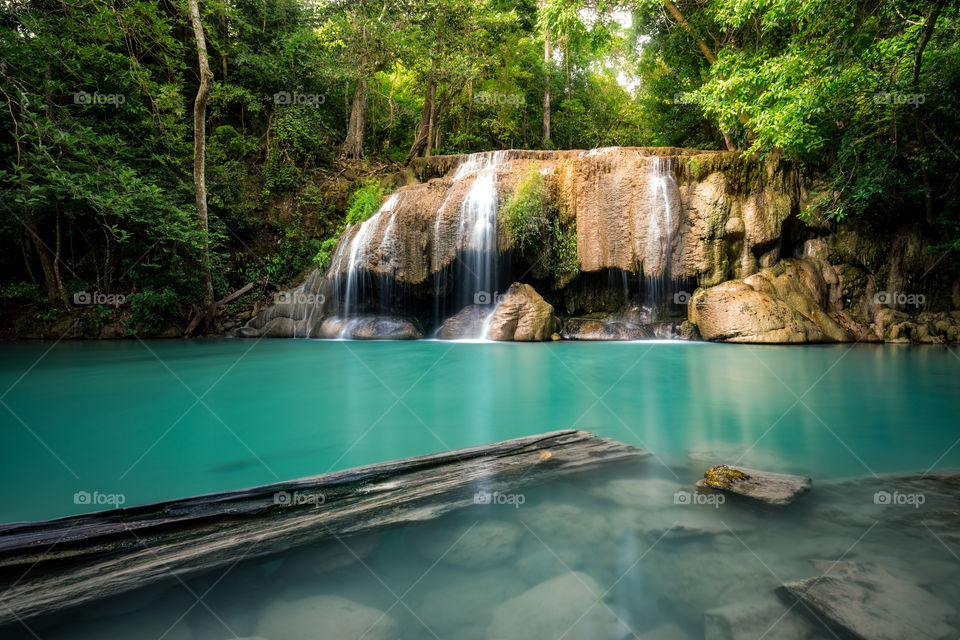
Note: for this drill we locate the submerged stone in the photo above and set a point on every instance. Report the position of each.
(569, 606)
(772, 488)
(861, 600)
(325, 617)
(470, 545)
(767, 618)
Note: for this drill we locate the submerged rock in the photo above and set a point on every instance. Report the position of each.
(861, 600)
(784, 303)
(470, 545)
(568, 606)
(468, 602)
(767, 618)
(325, 617)
(772, 488)
(466, 323)
(522, 315)
(593, 329)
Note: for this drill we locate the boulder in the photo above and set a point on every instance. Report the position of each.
(772, 488)
(370, 328)
(468, 602)
(280, 328)
(568, 606)
(522, 315)
(784, 303)
(766, 618)
(593, 329)
(247, 332)
(466, 323)
(324, 617)
(861, 600)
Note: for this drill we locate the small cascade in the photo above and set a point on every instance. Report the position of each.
(476, 272)
(355, 285)
(659, 286)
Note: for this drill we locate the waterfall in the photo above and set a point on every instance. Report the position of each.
(658, 253)
(357, 251)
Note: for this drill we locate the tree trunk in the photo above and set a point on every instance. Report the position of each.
(430, 123)
(199, 155)
(546, 86)
(931, 215)
(420, 136)
(353, 146)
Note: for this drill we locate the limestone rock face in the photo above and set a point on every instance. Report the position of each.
(325, 617)
(785, 303)
(566, 606)
(522, 315)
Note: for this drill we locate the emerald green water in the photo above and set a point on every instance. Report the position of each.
(163, 419)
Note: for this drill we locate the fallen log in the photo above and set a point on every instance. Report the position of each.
(236, 294)
(50, 565)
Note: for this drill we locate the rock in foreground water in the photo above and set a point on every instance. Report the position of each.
(568, 606)
(592, 329)
(325, 617)
(772, 488)
(466, 323)
(861, 600)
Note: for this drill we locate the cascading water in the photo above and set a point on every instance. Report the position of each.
(476, 271)
(659, 285)
(356, 252)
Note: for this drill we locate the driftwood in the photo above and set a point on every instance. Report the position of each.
(236, 294)
(47, 566)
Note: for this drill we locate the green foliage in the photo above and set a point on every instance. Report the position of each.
(364, 202)
(534, 225)
(151, 309)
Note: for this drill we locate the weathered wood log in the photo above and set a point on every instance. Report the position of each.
(46, 566)
(236, 294)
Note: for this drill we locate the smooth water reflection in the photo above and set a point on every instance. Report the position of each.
(163, 419)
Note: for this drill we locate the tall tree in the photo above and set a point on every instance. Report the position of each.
(199, 155)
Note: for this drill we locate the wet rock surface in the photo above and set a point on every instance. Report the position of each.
(765, 486)
(522, 315)
(594, 329)
(325, 617)
(861, 600)
(466, 323)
